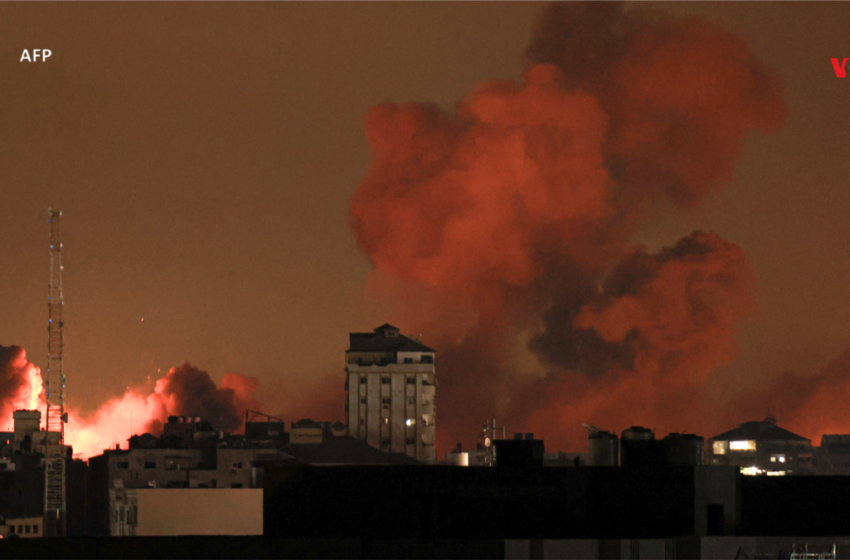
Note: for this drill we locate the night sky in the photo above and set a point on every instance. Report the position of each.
(204, 156)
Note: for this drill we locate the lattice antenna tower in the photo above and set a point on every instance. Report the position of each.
(54, 386)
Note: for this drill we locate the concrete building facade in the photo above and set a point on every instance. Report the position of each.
(391, 388)
(25, 528)
(183, 511)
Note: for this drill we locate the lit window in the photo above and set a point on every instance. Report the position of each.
(410, 421)
(743, 445)
(719, 448)
(751, 471)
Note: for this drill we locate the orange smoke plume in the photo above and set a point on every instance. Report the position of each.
(184, 391)
(515, 213)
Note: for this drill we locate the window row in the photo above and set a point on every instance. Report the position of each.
(388, 380)
(23, 529)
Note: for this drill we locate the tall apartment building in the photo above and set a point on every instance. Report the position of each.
(391, 384)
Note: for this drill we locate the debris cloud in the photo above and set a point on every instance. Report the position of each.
(517, 212)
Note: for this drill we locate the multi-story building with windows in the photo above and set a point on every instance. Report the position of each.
(391, 385)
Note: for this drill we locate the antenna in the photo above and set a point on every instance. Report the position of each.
(591, 429)
(54, 387)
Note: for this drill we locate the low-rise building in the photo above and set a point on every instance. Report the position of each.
(763, 448)
(23, 527)
(152, 512)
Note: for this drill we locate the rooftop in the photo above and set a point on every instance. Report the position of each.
(759, 431)
(386, 338)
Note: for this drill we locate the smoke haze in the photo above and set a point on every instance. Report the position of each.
(515, 213)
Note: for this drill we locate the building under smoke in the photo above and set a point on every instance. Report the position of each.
(763, 448)
(391, 387)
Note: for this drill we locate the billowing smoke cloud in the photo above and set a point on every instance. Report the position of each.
(183, 391)
(512, 217)
(809, 405)
(188, 391)
(20, 382)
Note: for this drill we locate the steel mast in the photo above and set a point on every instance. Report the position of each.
(54, 386)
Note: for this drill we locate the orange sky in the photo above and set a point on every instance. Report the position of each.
(204, 156)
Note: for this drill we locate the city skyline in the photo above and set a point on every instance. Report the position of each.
(207, 157)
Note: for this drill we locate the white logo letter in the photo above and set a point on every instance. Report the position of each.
(25, 56)
(45, 54)
(35, 53)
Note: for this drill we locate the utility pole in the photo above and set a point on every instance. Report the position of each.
(54, 386)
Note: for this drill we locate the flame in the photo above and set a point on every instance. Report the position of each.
(112, 423)
(183, 391)
(32, 395)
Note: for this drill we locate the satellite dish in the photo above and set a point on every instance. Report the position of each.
(486, 442)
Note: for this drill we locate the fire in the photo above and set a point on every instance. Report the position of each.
(183, 391)
(111, 424)
(32, 395)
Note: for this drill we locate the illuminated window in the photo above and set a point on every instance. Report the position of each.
(719, 448)
(750, 471)
(743, 445)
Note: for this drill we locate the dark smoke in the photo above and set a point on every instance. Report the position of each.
(506, 226)
(189, 391)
